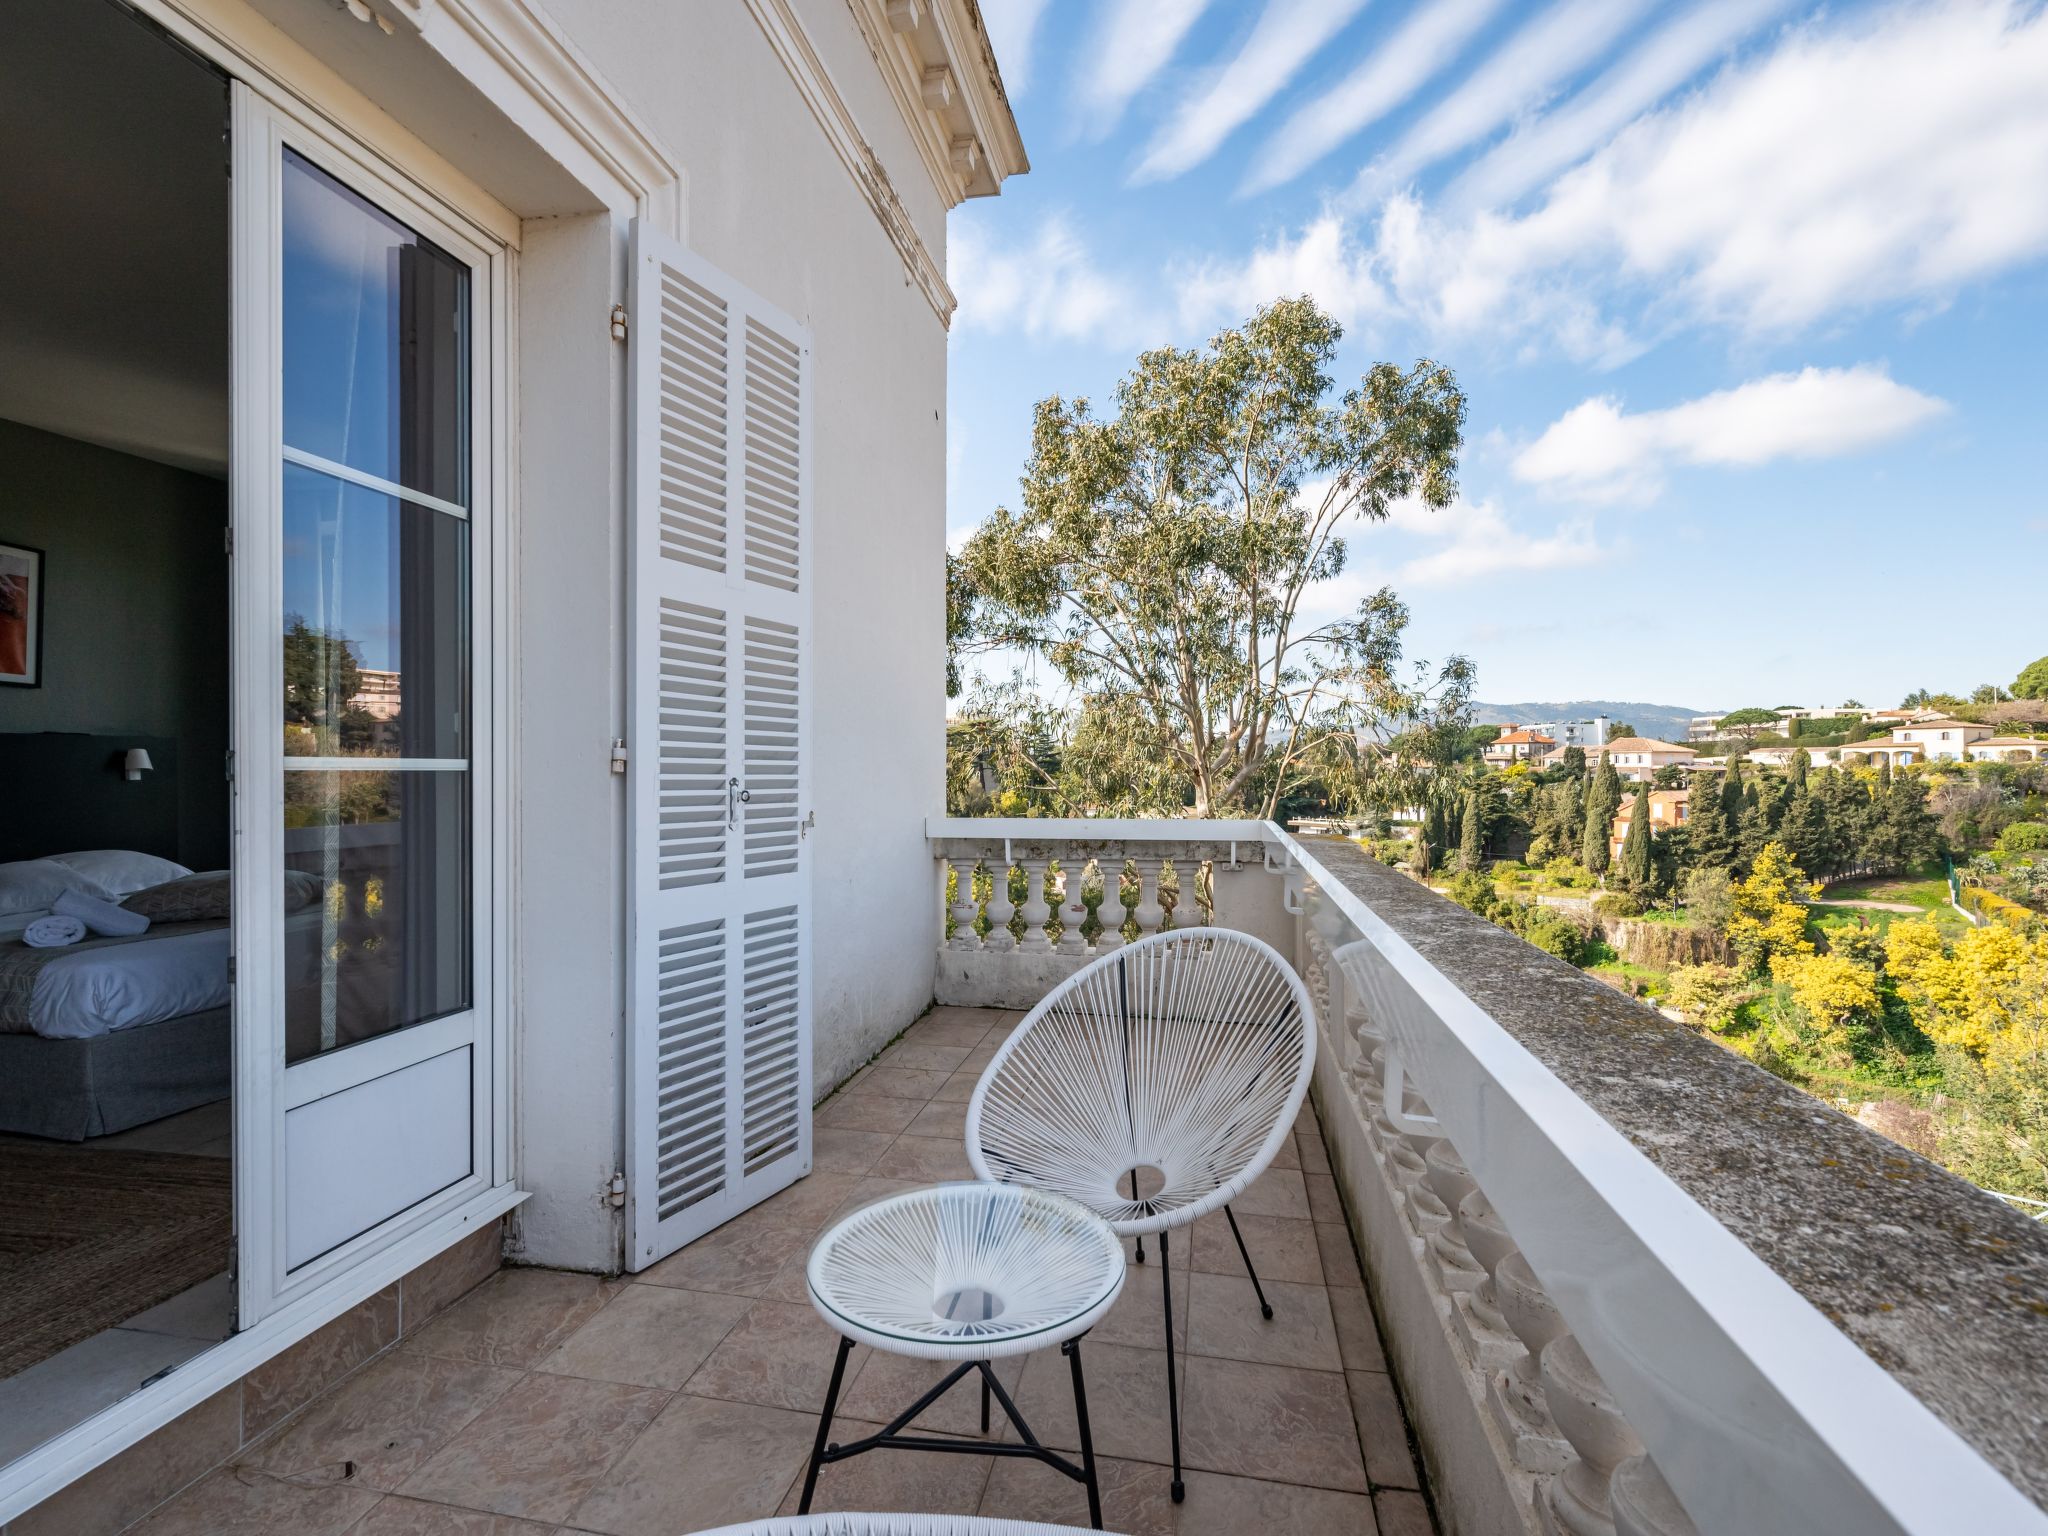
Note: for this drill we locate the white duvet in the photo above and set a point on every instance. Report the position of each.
(97, 991)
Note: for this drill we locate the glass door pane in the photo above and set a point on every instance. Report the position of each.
(377, 628)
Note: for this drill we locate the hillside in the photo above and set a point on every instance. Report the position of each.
(1667, 722)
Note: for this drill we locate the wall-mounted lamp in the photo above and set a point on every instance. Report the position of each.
(137, 762)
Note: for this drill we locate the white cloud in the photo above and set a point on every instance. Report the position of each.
(1048, 289)
(1543, 146)
(1861, 162)
(1287, 33)
(1482, 542)
(1392, 72)
(1137, 41)
(1598, 451)
(1519, 75)
(1013, 32)
(1324, 260)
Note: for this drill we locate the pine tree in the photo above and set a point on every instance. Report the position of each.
(1602, 801)
(1636, 864)
(1472, 839)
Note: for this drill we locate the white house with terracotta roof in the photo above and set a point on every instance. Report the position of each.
(1667, 810)
(1516, 744)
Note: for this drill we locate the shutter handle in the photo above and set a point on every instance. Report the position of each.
(735, 797)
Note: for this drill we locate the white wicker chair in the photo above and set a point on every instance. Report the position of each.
(1176, 1064)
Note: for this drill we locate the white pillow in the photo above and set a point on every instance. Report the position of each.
(120, 872)
(34, 884)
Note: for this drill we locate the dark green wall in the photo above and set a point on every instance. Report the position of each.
(135, 622)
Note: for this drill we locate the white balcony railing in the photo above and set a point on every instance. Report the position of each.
(1605, 1252)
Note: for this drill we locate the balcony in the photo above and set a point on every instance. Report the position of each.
(1626, 1280)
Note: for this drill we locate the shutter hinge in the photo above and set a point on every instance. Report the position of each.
(810, 820)
(228, 539)
(618, 322)
(615, 1192)
(618, 754)
(231, 970)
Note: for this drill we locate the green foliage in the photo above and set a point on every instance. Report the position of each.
(1161, 556)
(1617, 904)
(1637, 867)
(1620, 729)
(1745, 723)
(2024, 837)
(1603, 799)
(1770, 914)
(1996, 1135)
(1709, 895)
(2032, 683)
(1709, 995)
(1472, 836)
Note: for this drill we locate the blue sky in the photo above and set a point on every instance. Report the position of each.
(1750, 299)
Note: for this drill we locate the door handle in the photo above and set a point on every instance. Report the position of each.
(735, 797)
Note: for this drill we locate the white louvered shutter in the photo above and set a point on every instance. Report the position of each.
(719, 1028)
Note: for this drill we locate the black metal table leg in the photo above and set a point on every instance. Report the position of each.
(1072, 1350)
(1245, 1254)
(825, 1425)
(1172, 1383)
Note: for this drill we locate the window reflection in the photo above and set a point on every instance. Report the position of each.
(375, 340)
(377, 903)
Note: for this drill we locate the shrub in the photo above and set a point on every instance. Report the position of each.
(1617, 904)
(1473, 891)
(1708, 897)
(1551, 932)
(1707, 994)
(2024, 837)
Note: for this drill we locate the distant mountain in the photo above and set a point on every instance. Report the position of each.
(1666, 722)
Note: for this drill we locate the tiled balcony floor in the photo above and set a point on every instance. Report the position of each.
(687, 1396)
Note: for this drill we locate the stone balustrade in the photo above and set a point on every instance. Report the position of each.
(1605, 1253)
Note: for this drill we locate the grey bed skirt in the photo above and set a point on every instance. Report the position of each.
(72, 1089)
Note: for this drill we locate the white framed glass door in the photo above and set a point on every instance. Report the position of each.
(366, 341)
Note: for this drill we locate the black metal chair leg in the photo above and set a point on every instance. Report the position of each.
(1245, 1254)
(1134, 1198)
(1072, 1350)
(1172, 1382)
(825, 1425)
(987, 1306)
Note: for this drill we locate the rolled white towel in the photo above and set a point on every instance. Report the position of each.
(53, 932)
(102, 917)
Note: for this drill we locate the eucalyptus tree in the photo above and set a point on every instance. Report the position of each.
(1176, 557)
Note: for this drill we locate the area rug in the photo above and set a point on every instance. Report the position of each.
(89, 1239)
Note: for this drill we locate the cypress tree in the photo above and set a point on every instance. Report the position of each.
(1799, 766)
(1602, 801)
(1635, 847)
(1472, 839)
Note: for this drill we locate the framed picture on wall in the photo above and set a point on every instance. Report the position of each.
(21, 616)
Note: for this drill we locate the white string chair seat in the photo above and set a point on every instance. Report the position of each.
(1187, 1053)
(966, 1272)
(894, 1525)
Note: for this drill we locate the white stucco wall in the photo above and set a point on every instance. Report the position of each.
(766, 199)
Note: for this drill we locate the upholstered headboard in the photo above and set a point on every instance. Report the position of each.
(63, 791)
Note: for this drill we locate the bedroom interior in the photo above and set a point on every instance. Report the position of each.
(116, 1054)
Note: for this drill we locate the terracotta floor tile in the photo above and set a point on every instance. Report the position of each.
(739, 1263)
(1276, 1192)
(925, 1160)
(946, 1027)
(240, 1501)
(1136, 1497)
(415, 1517)
(515, 1317)
(700, 1464)
(651, 1336)
(1289, 1156)
(1126, 1400)
(1402, 1513)
(1138, 1318)
(779, 1356)
(923, 1058)
(1224, 1320)
(805, 1205)
(1323, 1203)
(888, 1384)
(912, 1482)
(1283, 1249)
(1274, 1422)
(840, 1151)
(947, 1119)
(959, 1088)
(539, 1449)
(1358, 1339)
(1231, 1506)
(873, 1188)
(1381, 1430)
(1340, 1261)
(1314, 1156)
(977, 1060)
(379, 1427)
(896, 1083)
(867, 1112)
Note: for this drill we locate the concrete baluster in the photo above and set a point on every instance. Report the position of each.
(1072, 911)
(1489, 1343)
(1644, 1504)
(1516, 1394)
(1451, 1181)
(1111, 912)
(1577, 1501)
(964, 908)
(1000, 909)
(1036, 912)
(1150, 914)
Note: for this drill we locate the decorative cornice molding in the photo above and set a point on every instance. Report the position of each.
(941, 70)
(792, 45)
